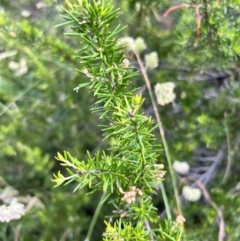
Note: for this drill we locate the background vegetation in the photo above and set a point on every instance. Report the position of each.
(40, 114)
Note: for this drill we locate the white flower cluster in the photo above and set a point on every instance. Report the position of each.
(151, 60)
(140, 44)
(137, 45)
(181, 167)
(191, 194)
(12, 211)
(164, 93)
(19, 68)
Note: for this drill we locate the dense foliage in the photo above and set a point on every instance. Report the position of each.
(197, 44)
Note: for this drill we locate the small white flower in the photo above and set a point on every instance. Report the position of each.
(191, 194)
(125, 63)
(180, 220)
(137, 45)
(127, 42)
(140, 45)
(138, 6)
(11, 212)
(19, 68)
(165, 93)
(13, 65)
(25, 13)
(8, 54)
(151, 60)
(183, 95)
(7, 194)
(181, 167)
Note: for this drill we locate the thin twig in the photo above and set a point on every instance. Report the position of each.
(186, 5)
(205, 177)
(17, 232)
(147, 225)
(162, 134)
(65, 234)
(229, 158)
(221, 233)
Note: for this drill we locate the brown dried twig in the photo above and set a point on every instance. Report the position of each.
(221, 233)
(185, 5)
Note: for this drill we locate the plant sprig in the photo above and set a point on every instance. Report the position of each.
(130, 171)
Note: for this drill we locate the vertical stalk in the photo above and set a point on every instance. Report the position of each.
(95, 217)
(229, 157)
(165, 146)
